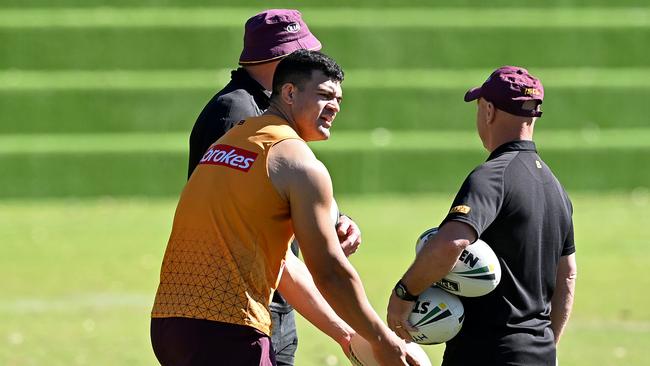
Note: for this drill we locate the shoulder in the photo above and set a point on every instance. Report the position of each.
(486, 182)
(492, 170)
(291, 164)
(293, 154)
(235, 97)
(232, 101)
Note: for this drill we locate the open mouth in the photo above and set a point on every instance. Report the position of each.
(328, 120)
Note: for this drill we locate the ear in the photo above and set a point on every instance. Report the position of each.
(490, 112)
(288, 93)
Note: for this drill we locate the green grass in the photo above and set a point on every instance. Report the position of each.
(266, 4)
(183, 48)
(363, 162)
(79, 276)
(346, 141)
(88, 111)
(390, 79)
(98, 98)
(418, 17)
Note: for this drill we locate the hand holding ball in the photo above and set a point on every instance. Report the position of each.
(361, 353)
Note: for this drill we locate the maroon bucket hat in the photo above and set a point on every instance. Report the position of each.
(510, 88)
(275, 33)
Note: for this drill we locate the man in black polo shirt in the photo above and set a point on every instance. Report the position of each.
(269, 36)
(514, 203)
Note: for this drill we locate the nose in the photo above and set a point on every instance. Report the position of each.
(334, 105)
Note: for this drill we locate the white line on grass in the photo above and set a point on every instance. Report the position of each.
(112, 80)
(341, 140)
(11, 80)
(407, 17)
(74, 303)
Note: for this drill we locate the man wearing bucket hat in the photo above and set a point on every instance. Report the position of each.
(269, 37)
(514, 203)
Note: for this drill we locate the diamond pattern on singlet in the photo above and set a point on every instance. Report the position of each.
(202, 280)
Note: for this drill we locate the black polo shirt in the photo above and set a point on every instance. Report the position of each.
(516, 205)
(241, 98)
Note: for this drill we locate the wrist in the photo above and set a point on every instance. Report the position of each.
(345, 336)
(385, 340)
(401, 291)
(379, 333)
(341, 214)
(342, 333)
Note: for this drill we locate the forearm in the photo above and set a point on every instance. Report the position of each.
(434, 261)
(438, 256)
(559, 319)
(561, 306)
(563, 297)
(342, 287)
(298, 288)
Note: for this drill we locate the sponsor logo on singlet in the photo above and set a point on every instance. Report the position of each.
(229, 156)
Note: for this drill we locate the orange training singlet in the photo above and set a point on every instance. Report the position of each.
(230, 234)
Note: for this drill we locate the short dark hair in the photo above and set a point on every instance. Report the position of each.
(298, 66)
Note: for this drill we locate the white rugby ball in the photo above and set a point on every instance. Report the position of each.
(438, 316)
(476, 273)
(361, 353)
(334, 212)
(423, 238)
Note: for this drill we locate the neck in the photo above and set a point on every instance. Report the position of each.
(278, 110)
(262, 73)
(511, 129)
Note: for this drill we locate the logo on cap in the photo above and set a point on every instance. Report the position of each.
(293, 28)
(531, 91)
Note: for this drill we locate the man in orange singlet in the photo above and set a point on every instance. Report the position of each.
(269, 36)
(252, 191)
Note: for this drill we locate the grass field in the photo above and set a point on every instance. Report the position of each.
(97, 98)
(76, 78)
(79, 276)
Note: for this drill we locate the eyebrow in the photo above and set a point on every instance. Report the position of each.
(330, 91)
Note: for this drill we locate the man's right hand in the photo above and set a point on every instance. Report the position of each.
(349, 235)
(392, 351)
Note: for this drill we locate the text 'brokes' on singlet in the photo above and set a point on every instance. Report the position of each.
(230, 234)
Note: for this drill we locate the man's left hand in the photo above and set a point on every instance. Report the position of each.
(349, 235)
(397, 316)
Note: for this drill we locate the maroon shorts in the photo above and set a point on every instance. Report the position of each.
(185, 341)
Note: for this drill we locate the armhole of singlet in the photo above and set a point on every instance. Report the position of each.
(266, 163)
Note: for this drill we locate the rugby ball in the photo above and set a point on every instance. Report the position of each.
(476, 273)
(334, 212)
(422, 239)
(437, 315)
(361, 353)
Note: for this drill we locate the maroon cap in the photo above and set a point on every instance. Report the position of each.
(510, 88)
(275, 33)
